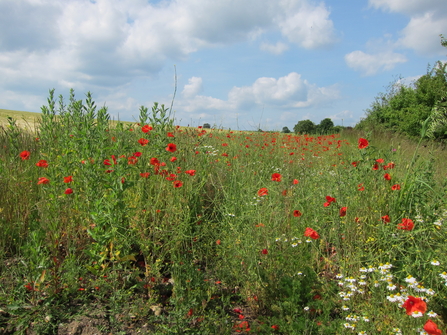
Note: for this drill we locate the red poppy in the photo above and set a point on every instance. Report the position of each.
(68, 191)
(146, 128)
(218, 242)
(275, 327)
(380, 160)
(431, 328)
(375, 167)
(170, 135)
(406, 224)
(395, 187)
(68, 179)
(243, 326)
(354, 164)
(143, 141)
(171, 147)
(137, 154)
(173, 159)
(42, 163)
(154, 161)
(276, 177)
(343, 211)
(132, 160)
(262, 191)
(295, 181)
(190, 312)
(329, 200)
(144, 174)
(414, 305)
(43, 180)
(386, 219)
(309, 232)
(390, 165)
(363, 143)
(360, 187)
(191, 172)
(177, 184)
(387, 176)
(25, 155)
(297, 213)
(264, 251)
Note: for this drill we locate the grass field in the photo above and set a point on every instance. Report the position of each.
(156, 229)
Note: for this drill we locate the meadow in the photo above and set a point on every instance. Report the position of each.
(147, 227)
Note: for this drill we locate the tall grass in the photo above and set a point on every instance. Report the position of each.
(216, 232)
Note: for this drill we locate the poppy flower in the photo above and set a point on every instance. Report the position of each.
(42, 163)
(264, 251)
(343, 211)
(309, 232)
(143, 141)
(68, 191)
(297, 213)
(414, 305)
(171, 147)
(177, 184)
(360, 187)
(275, 327)
(375, 167)
(170, 135)
(431, 328)
(25, 155)
(191, 172)
(329, 200)
(380, 160)
(406, 224)
(68, 179)
(262, 191)
(395, 187)
(173, 159)
(146, 129)
(354, 164)
(132, 160)
(387, 176)
(144, 174)
(390, 165)
(276, 177)
(385, 219)
(43, 180)
(154, 161)
(295, 181)
(137, 154)
(363, 143)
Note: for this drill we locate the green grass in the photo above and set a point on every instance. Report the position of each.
(209, 236)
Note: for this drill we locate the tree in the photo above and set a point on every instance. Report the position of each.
(325, 126)
(285, 130)
(206, 125)
(304, 127)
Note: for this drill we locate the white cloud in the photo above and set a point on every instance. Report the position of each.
(427, 20)
(370, 64)
(286, 92)
(275, 49)
(193, 87)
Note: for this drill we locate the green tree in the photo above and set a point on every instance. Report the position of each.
(286, 130)
(326, 125)
(304, 127)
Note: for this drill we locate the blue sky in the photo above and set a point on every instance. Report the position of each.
(241, 64)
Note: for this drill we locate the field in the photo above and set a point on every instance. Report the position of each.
(148, 228)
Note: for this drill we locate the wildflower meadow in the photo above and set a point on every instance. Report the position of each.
(148, 227)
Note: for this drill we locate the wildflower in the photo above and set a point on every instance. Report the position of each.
(144, 174)
(68, 179)
(385, 219)
(263, 191)
(275, 327)
(143, 141)
(191, 172)
(25, 155)
(431, 328)
(276, 177)
(343, 211)
(329, 200)
(171, 147)
(360, 187)
(177, 184)
(406, 224)
(43, 180)
(345, 308)
(296, 213)
(173, 159)
(435, 262)
(170, 135)
(395, 187)
(414, 305)
(295, 181)
(363, 143)
(432, 314)
(309, 232)
(68, 191)
(387, 176)
(264, 251)
(42, 163)
(146, 128)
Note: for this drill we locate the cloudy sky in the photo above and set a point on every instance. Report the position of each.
(240, 64)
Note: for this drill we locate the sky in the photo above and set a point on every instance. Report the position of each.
(238, 64)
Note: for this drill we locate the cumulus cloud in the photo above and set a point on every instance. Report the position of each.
(370, 64)
(275, 49)
(193, 87)
(427, 20)
(290, 91)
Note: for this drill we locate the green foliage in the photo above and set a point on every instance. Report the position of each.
(304, 127)
(285, 130)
